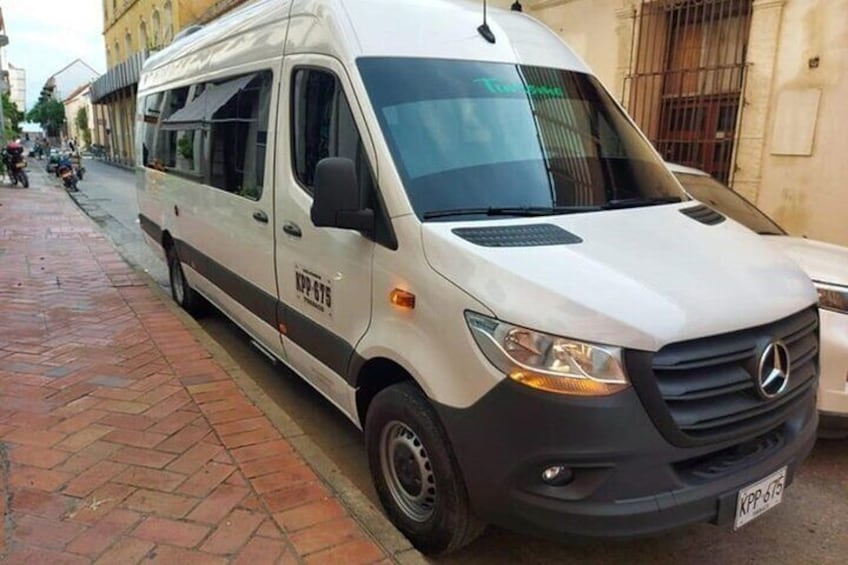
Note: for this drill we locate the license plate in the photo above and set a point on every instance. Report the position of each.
(759, 497)
(20, 165)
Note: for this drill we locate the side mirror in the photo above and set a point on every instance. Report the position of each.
(335, 197)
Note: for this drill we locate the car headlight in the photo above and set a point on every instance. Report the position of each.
(833, 297)
(548, 362)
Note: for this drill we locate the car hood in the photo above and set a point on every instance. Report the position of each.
(822, 261)
(640, 278)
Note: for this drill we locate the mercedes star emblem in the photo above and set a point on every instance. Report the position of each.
(773, 371)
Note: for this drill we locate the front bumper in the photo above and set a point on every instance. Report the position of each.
(629, 481)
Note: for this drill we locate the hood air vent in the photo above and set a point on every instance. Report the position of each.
(703, 214)
(530, 235)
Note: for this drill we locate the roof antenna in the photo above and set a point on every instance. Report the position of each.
(484, 29)
(516, 6)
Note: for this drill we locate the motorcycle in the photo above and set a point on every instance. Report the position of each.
(69, 178)
(13, 157)
(17, 172)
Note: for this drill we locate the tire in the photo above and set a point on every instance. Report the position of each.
(80, 174)
(185, 296)
(408, 450)
(24, 180)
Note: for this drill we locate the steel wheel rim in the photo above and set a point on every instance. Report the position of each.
(407, 471)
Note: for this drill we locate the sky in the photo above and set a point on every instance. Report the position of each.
(46, 35)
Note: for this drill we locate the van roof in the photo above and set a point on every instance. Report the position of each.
(349, 29)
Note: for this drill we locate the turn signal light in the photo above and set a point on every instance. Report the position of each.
(577, 387)
(402, 299)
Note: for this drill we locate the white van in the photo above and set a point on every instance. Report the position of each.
(467, 246)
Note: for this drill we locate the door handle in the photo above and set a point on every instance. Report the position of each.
(292, 229)
(260, 216)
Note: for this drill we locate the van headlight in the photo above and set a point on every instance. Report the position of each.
(833, 297)
(548, 362)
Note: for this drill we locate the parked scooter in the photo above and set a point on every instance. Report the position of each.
(65, 170)
(13, 159)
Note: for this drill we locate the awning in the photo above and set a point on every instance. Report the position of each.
(200, 110)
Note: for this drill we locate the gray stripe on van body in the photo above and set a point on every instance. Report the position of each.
(151, 228)
(256, 300)
(332, 350)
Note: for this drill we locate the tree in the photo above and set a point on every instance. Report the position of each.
(81, 121)
(50, 114)
(13, 117)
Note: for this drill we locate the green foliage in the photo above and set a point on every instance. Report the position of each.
(81, 121)
(185, 145)
(13, 117)
(50, 114)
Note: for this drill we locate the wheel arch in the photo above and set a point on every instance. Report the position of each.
(375, 375)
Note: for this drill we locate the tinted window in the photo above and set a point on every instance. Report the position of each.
(323, 126)
(468, 135)
(151, 113)
(165, 147)
(215, 133)
(713, 193)
(237, 111)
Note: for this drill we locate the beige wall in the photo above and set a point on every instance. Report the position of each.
(808, 195)
(72, 106)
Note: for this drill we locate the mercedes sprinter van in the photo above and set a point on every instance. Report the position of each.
(456, 235)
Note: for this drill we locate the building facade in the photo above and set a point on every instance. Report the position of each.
(749, 90)
(79, 100)
(4, 72)
(68, 79)
(17, 87)
(132, 29)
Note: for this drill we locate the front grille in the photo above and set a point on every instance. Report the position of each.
(705, 390)
(731, 459)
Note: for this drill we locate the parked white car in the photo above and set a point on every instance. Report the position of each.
(826, 264)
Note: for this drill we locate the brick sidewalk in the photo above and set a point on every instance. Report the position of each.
(122, 440)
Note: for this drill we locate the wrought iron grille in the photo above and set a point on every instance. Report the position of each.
(687, 77)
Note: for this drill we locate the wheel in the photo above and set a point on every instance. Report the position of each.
(24, 180)
(14, 178)
(181, 292)
(80, 174)
(415, 472)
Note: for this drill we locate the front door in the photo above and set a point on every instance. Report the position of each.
(324, 274)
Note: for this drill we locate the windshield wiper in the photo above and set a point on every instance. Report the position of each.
(639, 202)
(525, 211)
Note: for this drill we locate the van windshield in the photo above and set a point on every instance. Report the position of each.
(478, 139)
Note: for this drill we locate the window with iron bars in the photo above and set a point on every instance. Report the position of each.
(687, 78)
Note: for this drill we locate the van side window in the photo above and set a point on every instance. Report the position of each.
(177, 148)
(151, 108)
(323, 126)
(237, 111)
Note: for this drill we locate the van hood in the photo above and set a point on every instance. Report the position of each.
(640, 278)
(823, 262)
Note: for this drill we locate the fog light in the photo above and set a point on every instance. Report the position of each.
(557, 475)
